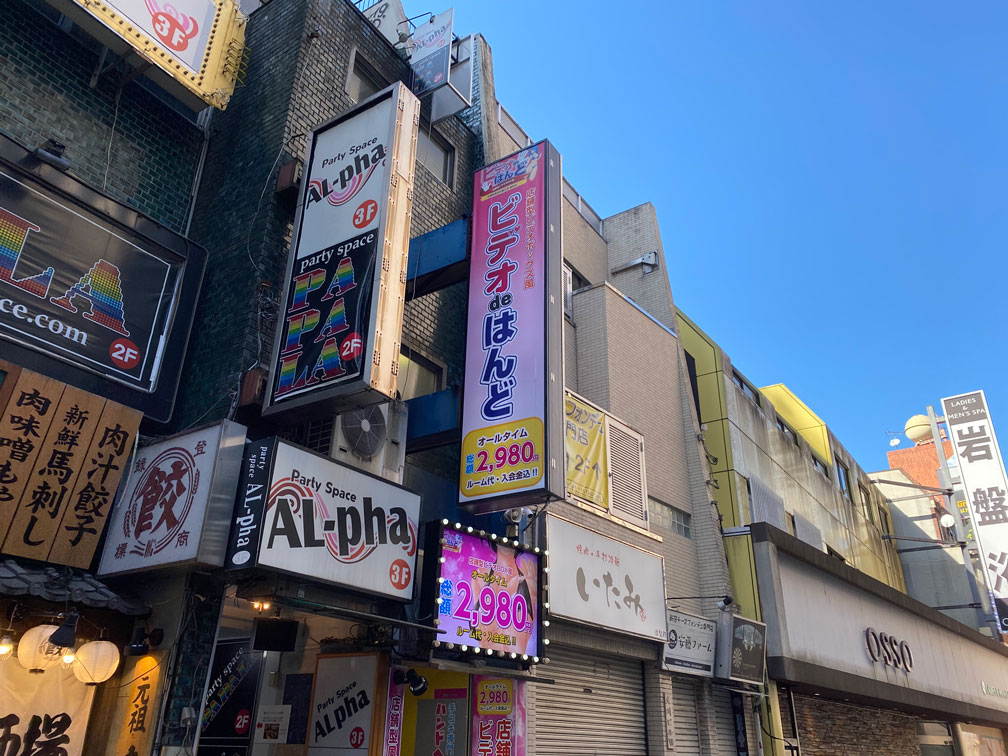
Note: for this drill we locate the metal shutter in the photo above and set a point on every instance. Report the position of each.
(687, 735)
(595, 708)
(628, 492)
(724, 721)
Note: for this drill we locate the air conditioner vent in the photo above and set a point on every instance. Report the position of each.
(628, 498)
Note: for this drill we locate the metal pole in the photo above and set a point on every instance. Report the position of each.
(982, 617)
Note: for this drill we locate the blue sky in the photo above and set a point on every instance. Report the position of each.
(829, 179)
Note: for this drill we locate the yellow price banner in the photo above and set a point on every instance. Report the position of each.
(585, 451)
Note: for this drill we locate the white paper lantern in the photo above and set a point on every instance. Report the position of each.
(35, 653)
(96, 662)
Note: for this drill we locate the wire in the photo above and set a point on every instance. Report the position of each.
(108, 152)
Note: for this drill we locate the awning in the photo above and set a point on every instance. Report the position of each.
(61, 585)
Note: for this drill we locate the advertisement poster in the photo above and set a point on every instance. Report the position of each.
(498, 721)
(231, 695)
(180, 27)
(333, 523)
(272, 723)
(159, 519)
(504, 449)
(343, 709)
(488, 594)
(691, 644)
(436, 723)
(343, 288)
(586, 453)
(604, 582)
(741, 654)
(62, 454)
(39, 709)
(431, 58)
(75, 289)
(971, 430)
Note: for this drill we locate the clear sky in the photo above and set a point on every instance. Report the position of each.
(829, 178)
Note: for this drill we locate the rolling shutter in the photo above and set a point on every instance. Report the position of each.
(595, 707)
(687, 735)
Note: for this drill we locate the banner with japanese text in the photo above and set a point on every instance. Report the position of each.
(498, 717)
(136, 703)
(981, 466)
(692, 643)
(42, 714)
(585, 450)
(511, 383)
(434, 723)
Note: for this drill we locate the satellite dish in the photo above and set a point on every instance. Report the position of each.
(364, 430)
(894, 442)
(946, 520)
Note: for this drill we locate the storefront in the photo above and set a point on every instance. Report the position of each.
(862, 666)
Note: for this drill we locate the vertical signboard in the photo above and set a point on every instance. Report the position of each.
(431, 58)
(346, 713)
(231, 698)
(586, 451)
(136, 704)
(512, 434)
(498, 717)
(983, 479)
(604, 582)
(341, 325)
(741, 649)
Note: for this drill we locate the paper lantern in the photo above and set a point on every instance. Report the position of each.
(35, 653)
(96, 662)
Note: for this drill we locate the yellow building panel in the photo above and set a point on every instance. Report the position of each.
(798, 415)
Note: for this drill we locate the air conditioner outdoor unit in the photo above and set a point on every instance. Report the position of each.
(372, 439)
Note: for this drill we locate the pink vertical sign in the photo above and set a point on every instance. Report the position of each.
(504, 413)
(394, 716)
(498, 717)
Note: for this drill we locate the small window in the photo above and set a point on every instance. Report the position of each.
(436, 155)
(866, 504)
(418, 375)
(842, 474)
(884, 521)
(315, 434)
(787, 431)
(681, 522)
(362, 81)
(819, 465)
(747, 388)
(834, 553)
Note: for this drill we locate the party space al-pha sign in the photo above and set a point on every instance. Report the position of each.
(512, 426)
(339, 333)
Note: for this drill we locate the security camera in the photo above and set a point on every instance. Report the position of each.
(724, 603)
(416, 682)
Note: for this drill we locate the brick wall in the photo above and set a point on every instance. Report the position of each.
(833, 728)
(301, 55)
(45, 92)
(920, 462)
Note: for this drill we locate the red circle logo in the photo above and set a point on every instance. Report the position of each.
(351, 347)
(400, 574)
(124, 353)
(174, 32)
(365, 213)
(356, 737)
(242, 722)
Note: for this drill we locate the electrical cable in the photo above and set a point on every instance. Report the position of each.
(108, 152)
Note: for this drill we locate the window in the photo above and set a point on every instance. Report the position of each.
(866, 504)
(842, 474)
(834, 553)
(747, 388)
(681, 522)
(315, 434)
(819, 465)
(362, 81)
(792, 527)
(436, 155)
(418, 375)
(787, 431)
(884, 520)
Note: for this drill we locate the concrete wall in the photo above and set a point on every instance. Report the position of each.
(630, 235)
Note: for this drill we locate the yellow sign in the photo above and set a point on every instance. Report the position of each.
(585, 447)
(494, 697)
(502, 458)
(135, 705)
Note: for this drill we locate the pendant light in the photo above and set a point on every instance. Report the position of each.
(96, 662)
(35, 653)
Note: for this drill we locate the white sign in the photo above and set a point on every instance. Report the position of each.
(272, 723)
(180, 27)
(389, 18)
(159, 519)
(603, 582)
(54, 705)
(431, 59)
(343, 704)
(330, 522)
(691, 644)
(983, 479)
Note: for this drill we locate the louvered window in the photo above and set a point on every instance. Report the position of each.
(568, 289)
(628, 497)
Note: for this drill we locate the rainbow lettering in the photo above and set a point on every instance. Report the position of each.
(100, 288)
(297, 325)
(343, 281)
(13, 234)
(335, 323)
(329, 363)
(304, 285)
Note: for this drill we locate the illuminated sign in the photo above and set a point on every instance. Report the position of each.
(341, 324)
(308, 515)
(487, 594)
(512, 425)
(101, 297)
